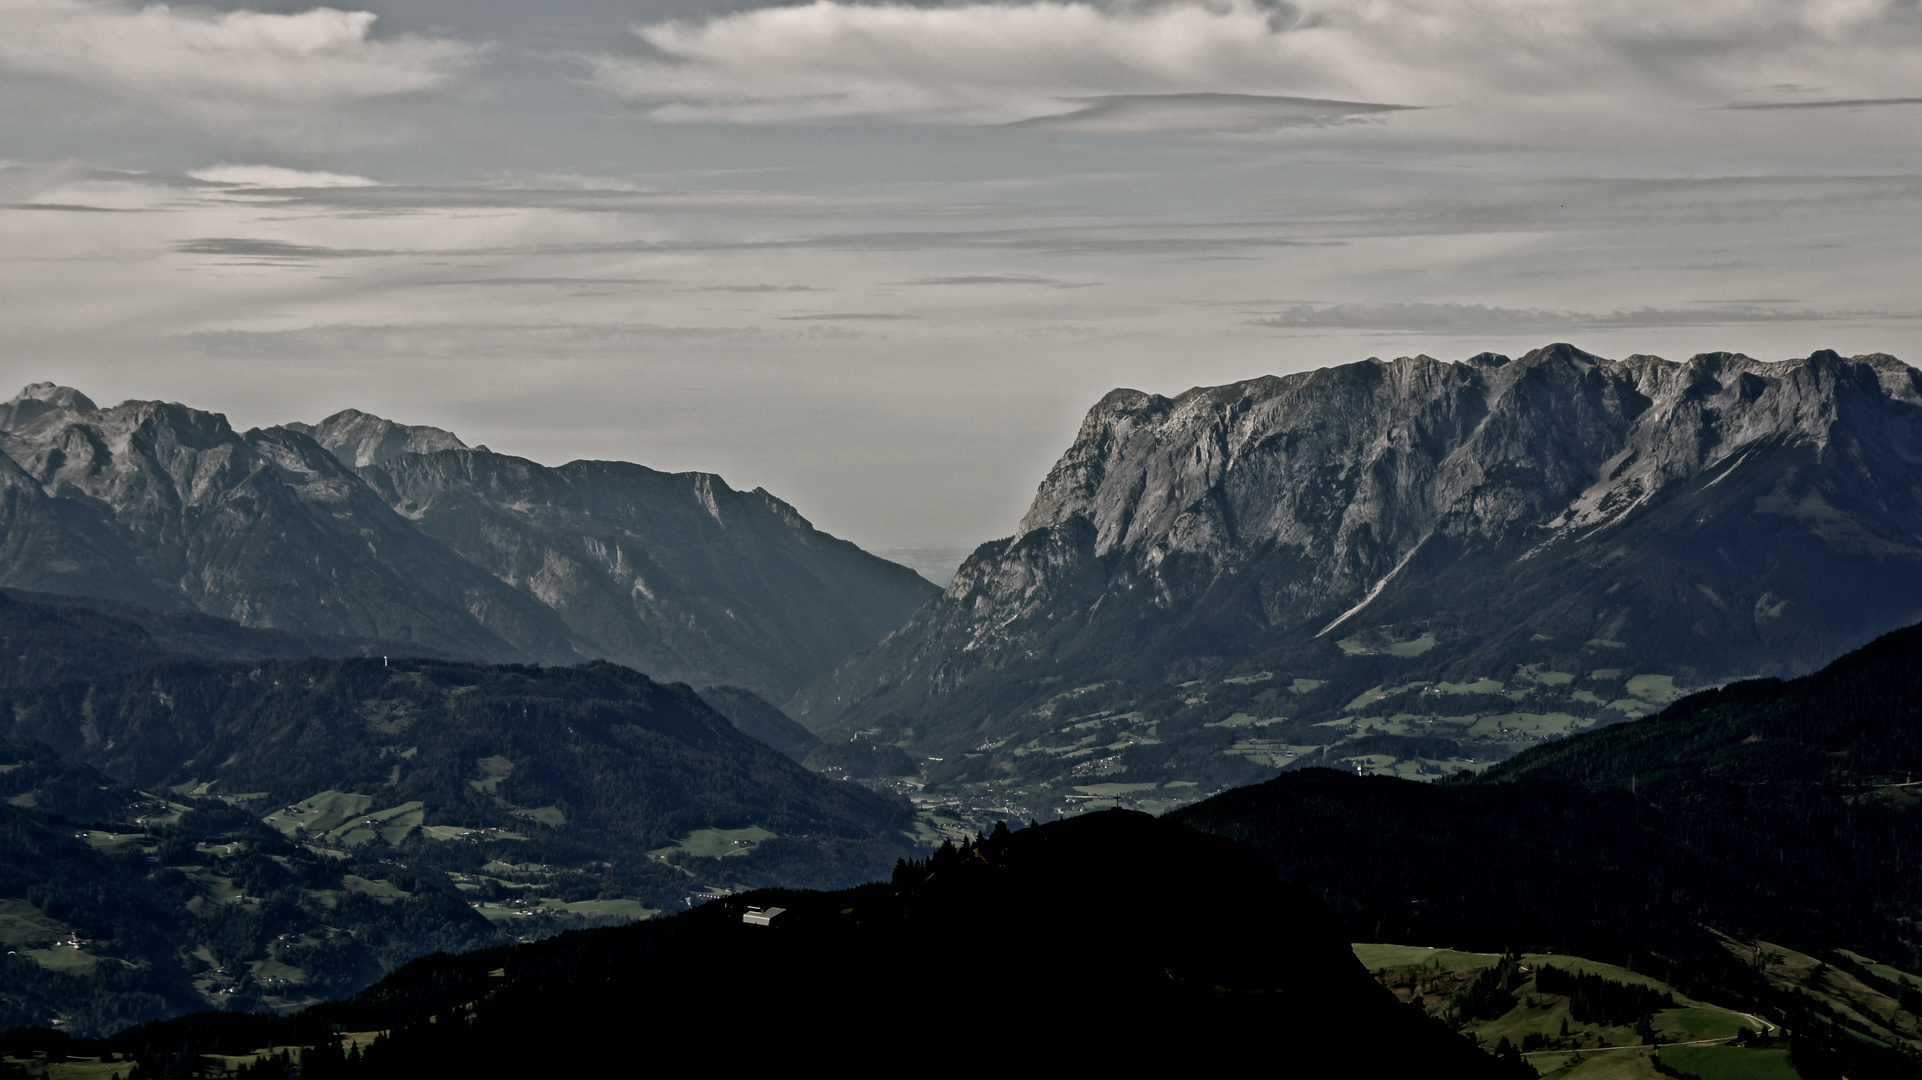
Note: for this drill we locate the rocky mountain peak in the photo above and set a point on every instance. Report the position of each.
(361, 439)
(39, 399)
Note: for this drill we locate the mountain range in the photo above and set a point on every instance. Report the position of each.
(363, 528)
(1409, 564)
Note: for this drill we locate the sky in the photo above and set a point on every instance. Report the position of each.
(880, 258)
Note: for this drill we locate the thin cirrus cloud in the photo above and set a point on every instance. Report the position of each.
(1452, 319)
(196, 57)
(1245, 65)
(1855, 103)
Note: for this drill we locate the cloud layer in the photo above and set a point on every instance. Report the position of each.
(1008, 62)
(221, 59)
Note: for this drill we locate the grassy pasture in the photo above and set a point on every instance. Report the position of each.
(1375, 957)
(1111, 791)
(1655, 689)
(1411, 648)
(318, 814)
(23, 924)
(379, 890)
(1376, 693)
(1479, 686)
(63, 959)
(1581, 966)
(1586, 1050)
(1690, 1024)
(1893, 974)
(630, 909)
(720, 843)
(1534, 673)
(1246, 720)
(1626, 1064)
(1728, 1062)
(446, 832)
(1521, 723)
(74, 1069)
(547, 815)
(1374, 643)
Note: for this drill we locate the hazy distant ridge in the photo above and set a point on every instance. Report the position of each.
(361, 527)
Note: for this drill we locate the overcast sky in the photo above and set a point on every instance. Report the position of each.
(881, 257)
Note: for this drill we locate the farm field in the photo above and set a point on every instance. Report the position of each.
(1545, 1026)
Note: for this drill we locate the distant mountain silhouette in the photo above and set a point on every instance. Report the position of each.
(362, 528)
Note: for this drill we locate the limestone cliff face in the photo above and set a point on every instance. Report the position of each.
(675, 574)
(1756, 517)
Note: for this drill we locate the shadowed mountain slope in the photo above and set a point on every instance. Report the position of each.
(598, 763)
(675, 574)
(362, 528)
(47, 639)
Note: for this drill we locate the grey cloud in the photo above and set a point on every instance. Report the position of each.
(1090, 240)
(1203, 114)
(70, 208)
(987, 279)
(412, 199)
(1477, 318)
(428, 340)
(842, 316)
(759, 288)
(1586, 203)
(250, 248)
(1857, 103)
(557, 282)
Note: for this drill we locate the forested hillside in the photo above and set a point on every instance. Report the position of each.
(1074, 945)
(295, 827)
(1689, 845)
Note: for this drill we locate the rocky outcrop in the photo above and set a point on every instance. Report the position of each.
(1728, 516)
(169, 507)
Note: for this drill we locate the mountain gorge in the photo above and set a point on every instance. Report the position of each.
(364, 528)
(1404, 550)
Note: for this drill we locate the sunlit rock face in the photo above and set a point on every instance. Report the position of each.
(1724, 515)
(362, 527)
